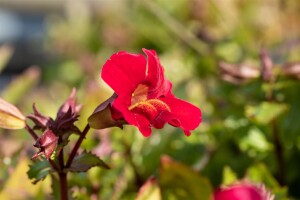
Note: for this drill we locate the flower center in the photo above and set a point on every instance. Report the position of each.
(150, 108)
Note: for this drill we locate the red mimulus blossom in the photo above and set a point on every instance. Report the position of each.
(143, 96)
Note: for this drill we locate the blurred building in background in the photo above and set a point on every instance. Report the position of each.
(23, 28)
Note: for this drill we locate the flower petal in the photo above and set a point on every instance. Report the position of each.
(143, 124)
(131, 118)
(123, 72)
(184, 115)
(155, 79)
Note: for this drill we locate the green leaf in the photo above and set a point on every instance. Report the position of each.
(55, 190)
(39, 170)
(229, 177)
(85, 161)
(149, 191)
(255, 142)
(178, 181)
(265, 112)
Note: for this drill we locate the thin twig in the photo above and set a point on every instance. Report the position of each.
(31, 131)
(77, 145)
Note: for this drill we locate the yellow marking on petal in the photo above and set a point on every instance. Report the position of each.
(154, 104)
(150, 108)
(140, 94)
(158, 104)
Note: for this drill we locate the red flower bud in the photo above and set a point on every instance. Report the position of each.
(243, 191)
(47, 144)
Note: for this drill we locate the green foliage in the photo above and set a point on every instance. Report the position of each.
(265, 112)
(39, 170)
(85, 161)
(178, 181)
(229, 177)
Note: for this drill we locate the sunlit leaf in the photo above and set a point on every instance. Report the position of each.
(85, 161)
(10, 116)
(229, 177)
(265, 112)
(255, 142)
(149, 191)
(178, 181)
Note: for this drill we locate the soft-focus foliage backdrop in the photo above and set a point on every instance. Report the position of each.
(236, 139)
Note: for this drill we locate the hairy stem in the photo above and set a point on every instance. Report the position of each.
(77, 145)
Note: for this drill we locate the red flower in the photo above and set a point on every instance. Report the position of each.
(143, 96)
(243, 191)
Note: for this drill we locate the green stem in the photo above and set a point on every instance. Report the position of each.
(276, 139)
(77, 145)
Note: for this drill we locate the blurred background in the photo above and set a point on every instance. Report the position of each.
(237, 60)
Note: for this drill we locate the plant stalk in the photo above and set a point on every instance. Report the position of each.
(77, 145)
(31, 132)
(63, 185)
(278, 152)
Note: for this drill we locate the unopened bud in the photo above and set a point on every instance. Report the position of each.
(237, 74)
(267, 66)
